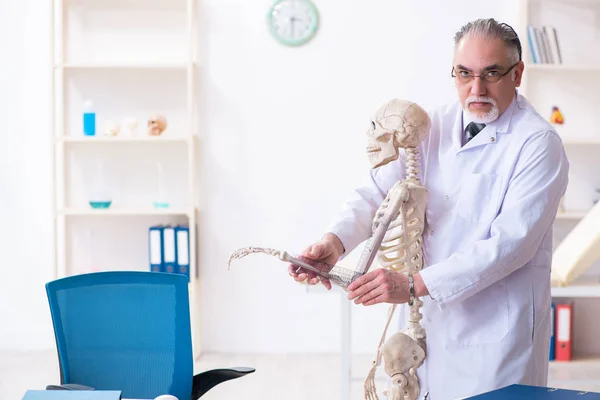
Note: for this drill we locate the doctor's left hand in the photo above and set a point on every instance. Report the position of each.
(380, 286)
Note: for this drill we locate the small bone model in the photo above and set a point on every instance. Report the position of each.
(129, 125)
(400, 124)
(156, 125)
(111, 128)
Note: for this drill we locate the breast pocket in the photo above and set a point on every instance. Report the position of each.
(478, 198)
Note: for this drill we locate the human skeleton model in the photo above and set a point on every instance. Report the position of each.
(401, 124)
(396, 239)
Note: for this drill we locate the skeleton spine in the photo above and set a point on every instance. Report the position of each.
(412, 164)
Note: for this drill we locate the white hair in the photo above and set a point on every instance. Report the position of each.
(492, 29)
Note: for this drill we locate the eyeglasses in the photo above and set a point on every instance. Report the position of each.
(491, 76)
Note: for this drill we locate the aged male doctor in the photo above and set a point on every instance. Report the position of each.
(496, 171)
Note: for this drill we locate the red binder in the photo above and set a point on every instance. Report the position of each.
(564, 331)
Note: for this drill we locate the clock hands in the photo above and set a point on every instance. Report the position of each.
(292, 20)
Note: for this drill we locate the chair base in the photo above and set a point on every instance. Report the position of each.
(205, 381)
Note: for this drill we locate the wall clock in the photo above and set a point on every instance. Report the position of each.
(293, 22)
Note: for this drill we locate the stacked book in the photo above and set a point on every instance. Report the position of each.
(544, 45)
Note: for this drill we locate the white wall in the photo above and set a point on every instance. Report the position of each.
(25, 203)
(282, 145)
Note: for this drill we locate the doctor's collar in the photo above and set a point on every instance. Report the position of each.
(503, 121)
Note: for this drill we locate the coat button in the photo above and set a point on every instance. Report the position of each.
(447, 197)
(492, 139)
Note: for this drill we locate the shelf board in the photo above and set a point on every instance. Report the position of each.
(123, 139)
(563, 67)
(129, 211)
(581, 142)
(125, 65)
(577, 290)
(571, 215)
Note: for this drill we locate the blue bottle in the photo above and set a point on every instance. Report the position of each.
(89, 119)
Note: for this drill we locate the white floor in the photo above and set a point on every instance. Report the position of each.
(289, 377)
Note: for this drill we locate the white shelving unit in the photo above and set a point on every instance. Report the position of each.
(577, 290)
(573, 86)
(572, 215)
(132, 59)
(132, 139)
(563, 67)
(149, 65)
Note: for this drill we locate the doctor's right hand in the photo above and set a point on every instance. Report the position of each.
(327, 250)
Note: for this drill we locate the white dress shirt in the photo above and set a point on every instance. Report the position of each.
(487, 247)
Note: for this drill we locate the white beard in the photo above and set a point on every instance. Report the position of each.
(482, 118)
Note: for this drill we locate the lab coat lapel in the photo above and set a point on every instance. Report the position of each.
(485, 137)
(457, 130)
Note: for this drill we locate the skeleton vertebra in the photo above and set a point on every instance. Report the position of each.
(402, 124)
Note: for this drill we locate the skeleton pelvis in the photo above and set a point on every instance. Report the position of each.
(402, 356)
(401, 353)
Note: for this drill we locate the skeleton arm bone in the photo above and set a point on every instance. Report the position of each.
(371, 248)
(354, 221)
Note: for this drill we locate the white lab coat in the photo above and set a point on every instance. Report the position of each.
(488, 247)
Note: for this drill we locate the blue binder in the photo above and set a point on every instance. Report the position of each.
(155, 248)
(182, 234)
(72, 395)
(169, 246)
(524, 392)
(552, 331)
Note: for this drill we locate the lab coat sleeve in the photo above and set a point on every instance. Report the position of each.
(352, 224)
(528, 210)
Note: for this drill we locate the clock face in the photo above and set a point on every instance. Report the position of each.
(293, 22)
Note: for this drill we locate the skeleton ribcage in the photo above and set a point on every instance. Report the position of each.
(402, 246)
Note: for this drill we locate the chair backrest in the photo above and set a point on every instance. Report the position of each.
(124, 330)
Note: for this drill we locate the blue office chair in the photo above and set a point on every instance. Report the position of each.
(128, 331)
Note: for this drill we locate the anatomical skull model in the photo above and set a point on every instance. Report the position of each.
(156, 125)
(401, 124)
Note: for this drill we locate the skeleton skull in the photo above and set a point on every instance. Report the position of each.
(397, 123)
(156, 125)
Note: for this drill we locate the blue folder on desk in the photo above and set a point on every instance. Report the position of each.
(72, 395)
(524, 392)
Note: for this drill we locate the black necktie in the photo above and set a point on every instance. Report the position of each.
(473, 129)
